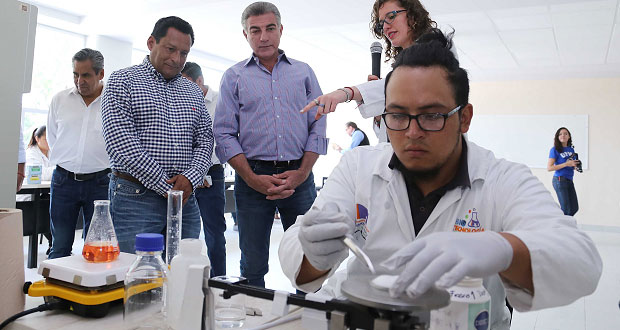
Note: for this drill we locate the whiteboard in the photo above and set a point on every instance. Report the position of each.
(527, 139)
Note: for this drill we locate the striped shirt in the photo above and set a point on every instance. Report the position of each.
(258, 112)
(156, 128)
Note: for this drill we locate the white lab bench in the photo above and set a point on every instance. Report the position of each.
(66, 320)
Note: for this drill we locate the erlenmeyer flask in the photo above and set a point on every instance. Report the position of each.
(101, 244)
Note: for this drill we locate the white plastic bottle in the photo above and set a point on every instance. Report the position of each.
(469, 309)
(186, 297)
(145, 285)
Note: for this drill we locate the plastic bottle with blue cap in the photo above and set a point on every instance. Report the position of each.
(146, 285)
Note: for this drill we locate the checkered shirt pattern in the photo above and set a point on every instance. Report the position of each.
(156, 128)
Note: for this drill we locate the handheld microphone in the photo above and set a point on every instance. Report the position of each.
(375, 52)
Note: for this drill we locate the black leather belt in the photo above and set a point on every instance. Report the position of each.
(126, 176)
(82, 176)
(275, 163)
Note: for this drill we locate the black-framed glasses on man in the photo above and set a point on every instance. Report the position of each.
(430, 122)
(389, 18)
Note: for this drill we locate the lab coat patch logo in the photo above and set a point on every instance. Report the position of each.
(361, 230)
(470, 224)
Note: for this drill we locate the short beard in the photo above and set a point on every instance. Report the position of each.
(426, 175)
(430, 174)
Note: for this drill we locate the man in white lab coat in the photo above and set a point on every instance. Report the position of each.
(434, 207)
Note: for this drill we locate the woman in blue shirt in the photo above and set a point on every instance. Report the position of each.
(561, 160)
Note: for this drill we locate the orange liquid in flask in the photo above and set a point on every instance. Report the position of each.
(100, 251)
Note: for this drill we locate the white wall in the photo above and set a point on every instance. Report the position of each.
(116, 53)
(597, 187)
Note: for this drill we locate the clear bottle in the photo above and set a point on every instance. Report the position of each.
(146, 285)
(174, 222)
(470, 308)
(101, 244)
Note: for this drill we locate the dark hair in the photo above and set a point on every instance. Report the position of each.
(351, 124)
(433, 49)
(192, 70)
(37, 133)
(163, 24)
(556, 140)
(418, 20)
(90, 54)
(257, 9)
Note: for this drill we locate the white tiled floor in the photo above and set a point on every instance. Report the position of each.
(600, 311)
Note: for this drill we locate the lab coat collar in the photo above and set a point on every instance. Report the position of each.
(478, 160)
(381, 168)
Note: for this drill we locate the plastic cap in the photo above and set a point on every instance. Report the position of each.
(190, 246)
(149, 242)
(470, 281)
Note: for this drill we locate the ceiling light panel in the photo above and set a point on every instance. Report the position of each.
(579, 46)
(464, 23)
(584, 18)
(441, 7)
(530, 45)
(613, 55)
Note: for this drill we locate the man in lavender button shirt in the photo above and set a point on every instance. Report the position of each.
(260, 132)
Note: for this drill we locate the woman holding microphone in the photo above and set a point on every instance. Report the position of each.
(399, 23)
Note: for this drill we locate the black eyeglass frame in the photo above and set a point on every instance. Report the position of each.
(416, 117)
(379, 26)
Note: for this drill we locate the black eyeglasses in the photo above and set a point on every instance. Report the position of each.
(389, 18)
(430, 122)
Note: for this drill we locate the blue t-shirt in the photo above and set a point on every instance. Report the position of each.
(561, 158)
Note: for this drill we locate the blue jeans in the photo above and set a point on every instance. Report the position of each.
(67, 197)
(255, 219)
(136, 209)
(567, 196)
(211, 202)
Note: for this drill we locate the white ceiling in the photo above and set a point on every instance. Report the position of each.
(496, 39)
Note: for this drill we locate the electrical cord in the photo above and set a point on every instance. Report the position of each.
(41, 308)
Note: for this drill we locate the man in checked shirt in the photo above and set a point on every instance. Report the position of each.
(158, 135)
(262, 135)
